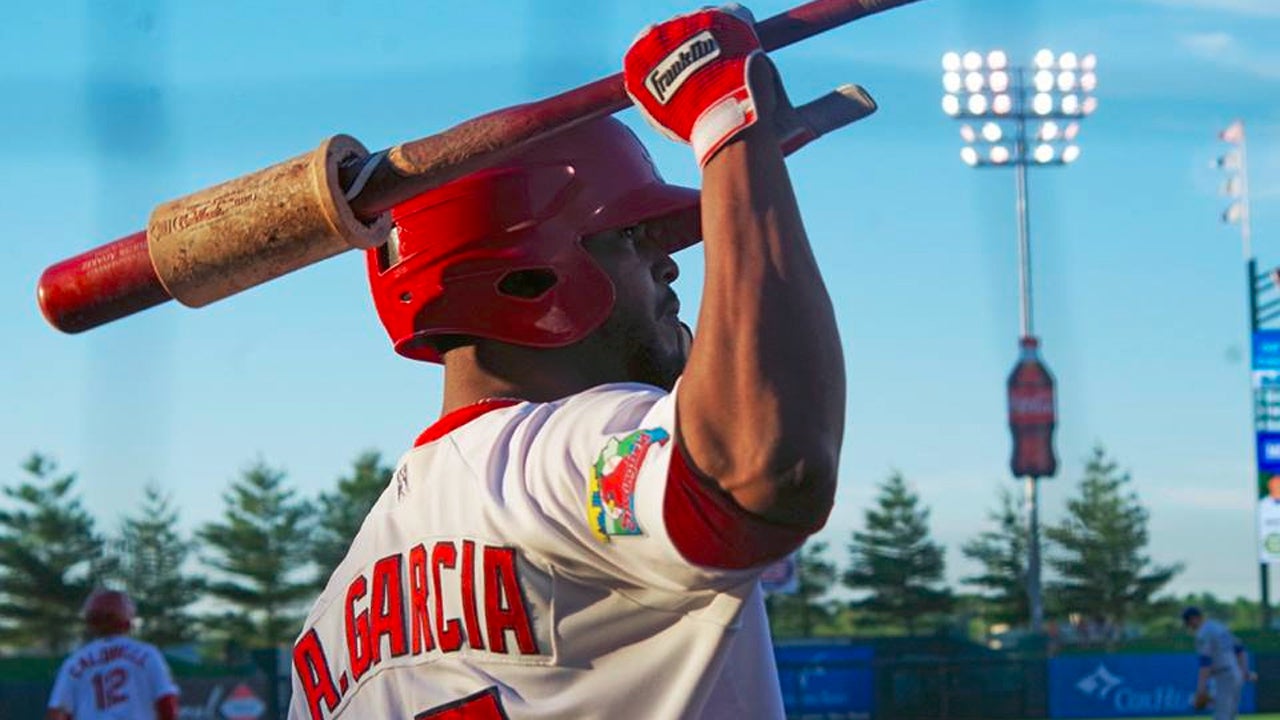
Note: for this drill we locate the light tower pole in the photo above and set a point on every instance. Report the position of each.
(997, 98)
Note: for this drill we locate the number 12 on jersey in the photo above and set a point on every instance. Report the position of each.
(108, 688)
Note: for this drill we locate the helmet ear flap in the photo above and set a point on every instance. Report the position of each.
(528, 283)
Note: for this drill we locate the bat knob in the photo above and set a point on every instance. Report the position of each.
(101, 285)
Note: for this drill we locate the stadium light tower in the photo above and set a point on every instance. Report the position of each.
(995, 102)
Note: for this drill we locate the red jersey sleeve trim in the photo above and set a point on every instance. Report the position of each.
(167, 707)
(709, 529)
(463, 415)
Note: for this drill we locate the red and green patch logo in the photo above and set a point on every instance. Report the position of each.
(611, 488)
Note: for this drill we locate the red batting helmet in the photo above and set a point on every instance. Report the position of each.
(498, 254)
(108, 612)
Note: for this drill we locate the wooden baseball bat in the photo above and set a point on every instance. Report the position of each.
(343, 193)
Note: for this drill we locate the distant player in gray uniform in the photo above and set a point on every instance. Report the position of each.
(1222, 663)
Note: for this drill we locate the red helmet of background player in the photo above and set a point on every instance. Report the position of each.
(498, 254)
(108, 612)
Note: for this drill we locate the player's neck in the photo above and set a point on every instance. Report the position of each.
(475, 373)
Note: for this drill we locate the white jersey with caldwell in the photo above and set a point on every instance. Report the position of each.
(553, 560)
(112, 678)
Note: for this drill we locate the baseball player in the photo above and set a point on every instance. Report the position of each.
(1223, 665)
(580, 535)
(113, 676)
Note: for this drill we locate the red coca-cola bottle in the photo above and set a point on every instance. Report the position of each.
(1031, 414)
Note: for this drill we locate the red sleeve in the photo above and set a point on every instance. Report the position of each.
(709, 529)
(167, 708)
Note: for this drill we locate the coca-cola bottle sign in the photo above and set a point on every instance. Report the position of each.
(1030, 405)
(1032, 414)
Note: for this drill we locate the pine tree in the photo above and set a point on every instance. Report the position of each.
(51, 557)
(894, 560)
(799, 614)
(343, 510)
(1098, 550)
(1002, 553)
(152, 555)
(260, 551)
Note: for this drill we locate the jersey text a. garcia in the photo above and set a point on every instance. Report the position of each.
(434, 599)
(534, 561)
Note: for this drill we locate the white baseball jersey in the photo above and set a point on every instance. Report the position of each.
(547, 560)
(112, 678)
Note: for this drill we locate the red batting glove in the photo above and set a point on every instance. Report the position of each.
(688, 76)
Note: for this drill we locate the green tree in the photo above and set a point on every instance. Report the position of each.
(152, 555)
(894, 561)
(1245, 614)
(1001, 551)
(51, 557)
(260, 550)
(1098, 550)
(801, 613)
(1165, 617)
(342, 511)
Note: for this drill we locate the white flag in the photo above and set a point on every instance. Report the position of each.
(1233, 213)
(1233, 186)
(1234, 133)
(1230, 161)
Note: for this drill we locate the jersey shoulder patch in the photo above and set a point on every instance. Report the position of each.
(611, 482)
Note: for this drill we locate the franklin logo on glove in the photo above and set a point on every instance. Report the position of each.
(688, 77)
(675, 68)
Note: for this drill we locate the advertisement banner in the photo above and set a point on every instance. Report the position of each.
(1102, 686)
(1266, 350)
(1266, 416)
(833, 682)
(1032, 414)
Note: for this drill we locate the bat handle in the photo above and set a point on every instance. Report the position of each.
(101, 285)
(817, 16)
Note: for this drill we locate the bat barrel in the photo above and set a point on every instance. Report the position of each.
(119, 279)
(101, 285)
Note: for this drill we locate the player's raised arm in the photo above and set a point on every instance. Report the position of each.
(761, 403)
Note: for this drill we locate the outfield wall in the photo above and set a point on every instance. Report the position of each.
(895, 679)
(915, 680)
(1117, 685)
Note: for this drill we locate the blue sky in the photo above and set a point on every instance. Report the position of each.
(1139, 287)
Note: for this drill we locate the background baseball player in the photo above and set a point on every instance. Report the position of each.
(113, 676)
(1223, 665)
(580, 536)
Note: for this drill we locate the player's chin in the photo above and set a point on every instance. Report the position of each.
(661, 361)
